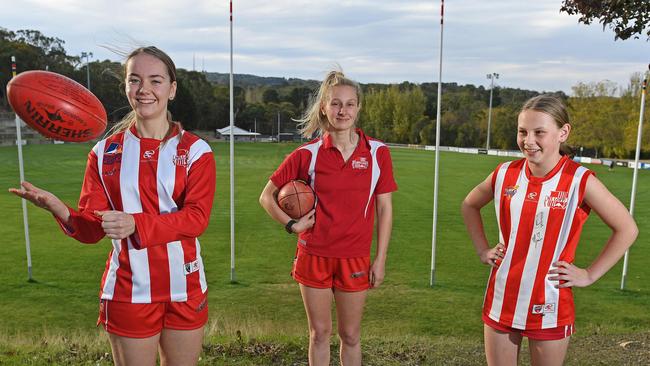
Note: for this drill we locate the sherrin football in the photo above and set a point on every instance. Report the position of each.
(56, 106)
(296, 198)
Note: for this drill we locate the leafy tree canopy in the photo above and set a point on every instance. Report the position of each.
(627, 18)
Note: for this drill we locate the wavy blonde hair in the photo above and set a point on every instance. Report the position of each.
(314, 120)
(128, 120)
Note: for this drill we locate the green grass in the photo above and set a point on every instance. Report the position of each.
(406, 321)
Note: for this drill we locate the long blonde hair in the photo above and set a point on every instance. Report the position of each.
(128, 120)
(554, 107)
(314, 120)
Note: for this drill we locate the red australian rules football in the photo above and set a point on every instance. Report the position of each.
(56, 106)
(296, 198)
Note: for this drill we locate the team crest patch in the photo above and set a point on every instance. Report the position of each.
(360, 163)
(557, 199)
(181, 157)
(510, 191)
(543, 308)
(113, 148)
(191, 267)
(113, 154)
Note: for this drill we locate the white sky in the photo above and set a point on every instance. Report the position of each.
(528, 42)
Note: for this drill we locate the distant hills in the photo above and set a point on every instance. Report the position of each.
(247, 80)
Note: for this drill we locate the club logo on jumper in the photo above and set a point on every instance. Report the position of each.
(191, 267)
(557, 199)
(543, 308)
(113, 154)
(532, 196)
(149, 154)
(357, 274)
(360, 163)
(509, 192)
(181, 157)
(113, 148)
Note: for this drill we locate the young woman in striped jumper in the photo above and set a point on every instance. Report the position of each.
(541, 202)
(149, 187)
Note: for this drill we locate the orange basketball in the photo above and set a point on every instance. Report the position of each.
(296, 198)
(56, 106)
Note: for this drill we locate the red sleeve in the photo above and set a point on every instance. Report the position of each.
(293, 167)
(85, 226)
(193, 215)
(386, 181)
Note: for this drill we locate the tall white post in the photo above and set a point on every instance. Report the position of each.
(232, 164)
(21, 169)
(435, 175)
(636, 170)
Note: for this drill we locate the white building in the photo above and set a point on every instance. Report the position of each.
(238, 133)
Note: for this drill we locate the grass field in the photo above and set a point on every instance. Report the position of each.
(260, 319)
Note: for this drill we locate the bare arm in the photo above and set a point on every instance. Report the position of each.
(270, 204)
(624, 232)
(384, 207)
(480, 196)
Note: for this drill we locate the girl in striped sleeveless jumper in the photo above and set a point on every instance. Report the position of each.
(541, 203)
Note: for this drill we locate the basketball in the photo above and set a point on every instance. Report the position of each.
(56, 106)
(296, 198)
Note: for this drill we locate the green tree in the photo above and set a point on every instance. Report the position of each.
(628, 18)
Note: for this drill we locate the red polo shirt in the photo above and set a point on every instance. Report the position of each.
(345, 191)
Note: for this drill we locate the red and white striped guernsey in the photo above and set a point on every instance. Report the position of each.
(540, 220)
(168, 187)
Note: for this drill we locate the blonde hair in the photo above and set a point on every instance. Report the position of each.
(127, 121)
(554, 107)
(314, 120)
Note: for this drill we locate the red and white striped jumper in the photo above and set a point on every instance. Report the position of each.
(168, 187)
(540, 220)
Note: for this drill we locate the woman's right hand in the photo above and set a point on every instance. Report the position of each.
(305, 222)
(493, 256)
(42, 199)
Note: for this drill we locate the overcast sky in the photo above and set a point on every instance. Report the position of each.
(529, 43)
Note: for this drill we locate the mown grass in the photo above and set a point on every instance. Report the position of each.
(260, 319)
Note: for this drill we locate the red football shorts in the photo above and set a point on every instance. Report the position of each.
(345, 274)
(549, 334)
(146, 320)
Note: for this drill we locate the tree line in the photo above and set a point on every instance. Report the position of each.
(604, 115)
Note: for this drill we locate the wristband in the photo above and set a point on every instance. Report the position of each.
(289, 225)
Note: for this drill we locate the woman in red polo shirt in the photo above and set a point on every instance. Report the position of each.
(352, 176)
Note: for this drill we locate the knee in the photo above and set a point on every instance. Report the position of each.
(320, 333)
(350, 337)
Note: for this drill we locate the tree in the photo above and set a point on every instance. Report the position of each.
(627, 18)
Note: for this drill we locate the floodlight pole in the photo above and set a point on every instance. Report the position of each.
(491, 76)
(87, 55)
(21, 169)
(636, 168)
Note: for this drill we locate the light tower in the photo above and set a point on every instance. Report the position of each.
(491, 76)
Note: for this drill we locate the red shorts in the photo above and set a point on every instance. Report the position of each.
(345, 274)
(146, 320)
(549, 334)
